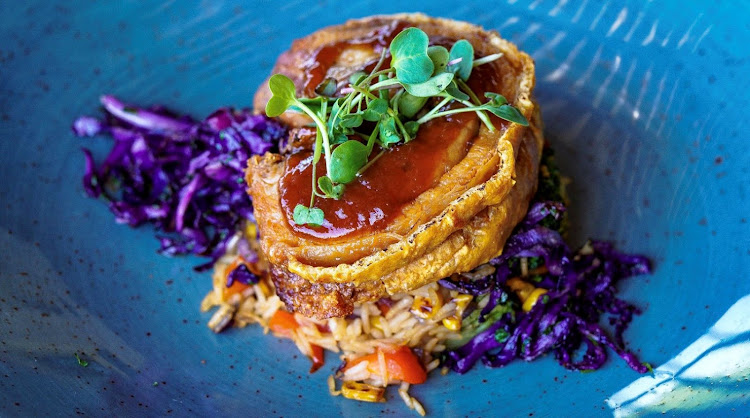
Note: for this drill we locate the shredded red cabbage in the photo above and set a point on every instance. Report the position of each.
(581, 289)
(183, 176)
(186, 178)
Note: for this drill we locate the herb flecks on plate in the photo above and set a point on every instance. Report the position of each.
(81, 361)
(379, 108)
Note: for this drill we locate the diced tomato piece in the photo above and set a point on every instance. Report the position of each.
(235, 288)
(384, 305)
(400, 363)
(283, 323)
(317, 357)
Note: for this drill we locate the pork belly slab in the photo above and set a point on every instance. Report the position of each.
(442, 204)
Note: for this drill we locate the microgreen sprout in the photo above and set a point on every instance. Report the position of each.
(81, 362)
(384, 107)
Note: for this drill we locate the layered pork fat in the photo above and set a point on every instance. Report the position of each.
(476, 190)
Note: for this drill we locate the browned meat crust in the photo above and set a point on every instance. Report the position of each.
(321, 300)
(460, 223)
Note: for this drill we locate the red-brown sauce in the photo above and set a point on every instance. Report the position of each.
(324, 57)
(398, 177)
(379, 194)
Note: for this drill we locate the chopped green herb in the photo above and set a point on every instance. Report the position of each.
(501, 335)
(534, 262)
(81, 362)
(649, 367)
(471, 326)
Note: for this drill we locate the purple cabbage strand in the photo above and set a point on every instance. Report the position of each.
(581, 288)
(183, 176)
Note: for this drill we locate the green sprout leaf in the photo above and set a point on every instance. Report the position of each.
(352, 120)
(335, 109)
(455, 92)
(318, 147)
(465, 51)
(308, 216)
(329, 189)
(388, 132)
(496, 99)
(409, 105)
(409, 56)
(375, 110)
(283, 95)
(384, 93)
(439, 57)
(326, 88)
(411, 128)
(432, 87)
(389, 100)
(338, 137)
(346, 160)
(508, 113)
(357, 77)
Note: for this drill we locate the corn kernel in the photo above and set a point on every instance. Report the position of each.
(522, 288)
(376, 322)
(425, 307)
(462, 301)
(453, 323)
(264, 288)
(362, 392)
(251, 231)
(533, 297)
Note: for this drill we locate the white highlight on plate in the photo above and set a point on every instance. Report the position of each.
(599, 16)
(578, 14)
(651, 34)
(686, 36)
(700, 38)
(604, 87)
(556, 10)
(549, 46)
(622, 96)
(666, 39)
(618, 22)
(563, 68)
(509, 22)
(635, 25)
(532, 29)
(711, 371)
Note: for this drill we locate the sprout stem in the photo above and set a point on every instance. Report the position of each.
(484, 60)
(323, 131)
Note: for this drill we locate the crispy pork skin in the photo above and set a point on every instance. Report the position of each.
(474, 187)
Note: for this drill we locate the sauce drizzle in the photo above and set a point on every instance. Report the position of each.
(390, 183)
(402, 173)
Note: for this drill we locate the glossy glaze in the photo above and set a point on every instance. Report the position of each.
(378, 194)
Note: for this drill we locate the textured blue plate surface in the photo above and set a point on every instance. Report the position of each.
(646, 104)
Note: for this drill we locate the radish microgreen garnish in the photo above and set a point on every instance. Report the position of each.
(384, 108)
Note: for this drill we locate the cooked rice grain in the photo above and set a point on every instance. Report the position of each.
(355, 336)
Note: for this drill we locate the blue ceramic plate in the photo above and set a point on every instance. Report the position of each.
(646, 103)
